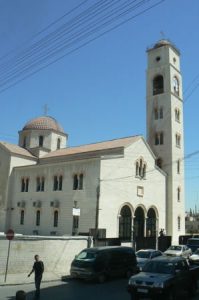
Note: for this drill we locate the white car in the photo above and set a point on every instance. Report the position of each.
(178, 250)
(194, 258)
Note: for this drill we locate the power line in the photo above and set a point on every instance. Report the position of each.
(80, 46)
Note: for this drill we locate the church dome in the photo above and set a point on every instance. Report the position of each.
(44, 122)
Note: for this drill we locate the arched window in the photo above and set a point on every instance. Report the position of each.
(176, 85)
(24, 142)
(158, 85)
(178, 194)
(41, 140)
(56, 215)
(22, 217)
(37, 217)
(179, 223)
(81, 177)
(75, 182)
(177, 115)
(137, 169)
(156, 113)
(178, 140)
(159, 138)
(140, 168)
(58, 143)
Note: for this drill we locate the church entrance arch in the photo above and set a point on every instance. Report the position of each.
(125, 223)
(151, 223)
(139, 222)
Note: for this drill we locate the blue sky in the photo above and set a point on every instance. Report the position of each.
(98, 92)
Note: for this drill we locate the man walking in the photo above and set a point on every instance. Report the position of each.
(38, 268)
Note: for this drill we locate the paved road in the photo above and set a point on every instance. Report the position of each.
(76, 290)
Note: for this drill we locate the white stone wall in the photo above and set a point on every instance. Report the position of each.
(85, 199)
(118, 186)
(57, 254)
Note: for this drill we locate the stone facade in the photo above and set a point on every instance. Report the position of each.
(47, 188)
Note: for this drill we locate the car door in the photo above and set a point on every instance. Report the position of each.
(181, 275)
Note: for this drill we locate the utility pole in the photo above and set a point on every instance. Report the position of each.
(97, 208)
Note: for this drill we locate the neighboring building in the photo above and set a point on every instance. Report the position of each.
(120, 186)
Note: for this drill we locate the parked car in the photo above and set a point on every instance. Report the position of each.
(163, 277)
(178, 250)
(145, 255)
(194, 258)
(103, 262)
(193, 243)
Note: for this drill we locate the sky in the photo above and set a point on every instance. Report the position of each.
(95, 87)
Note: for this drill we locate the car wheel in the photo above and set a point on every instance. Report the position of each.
(101, 278)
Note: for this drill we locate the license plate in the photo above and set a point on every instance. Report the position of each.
(142, 290)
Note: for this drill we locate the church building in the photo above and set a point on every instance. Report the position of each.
(120, 187)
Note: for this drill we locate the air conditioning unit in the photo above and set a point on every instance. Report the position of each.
(36, 232)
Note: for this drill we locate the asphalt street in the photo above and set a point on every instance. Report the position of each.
(76, 290)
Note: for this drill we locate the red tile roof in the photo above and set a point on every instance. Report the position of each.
(107, 145)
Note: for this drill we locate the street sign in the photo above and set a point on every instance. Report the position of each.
(10, 234)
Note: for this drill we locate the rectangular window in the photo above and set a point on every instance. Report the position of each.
(22, 217)
(37, 217)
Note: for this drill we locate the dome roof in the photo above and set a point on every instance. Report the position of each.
(44, 122)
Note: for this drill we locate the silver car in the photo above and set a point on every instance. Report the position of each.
(145, 255)
(178, 250)
(194, 258)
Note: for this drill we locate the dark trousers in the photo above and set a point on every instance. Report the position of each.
(37, 285)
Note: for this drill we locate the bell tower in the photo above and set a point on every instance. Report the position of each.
(165, 133)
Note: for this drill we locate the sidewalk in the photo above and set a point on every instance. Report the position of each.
(21, 278)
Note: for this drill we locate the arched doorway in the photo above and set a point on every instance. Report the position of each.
(151, 223)
(125, 223)
(139, 223)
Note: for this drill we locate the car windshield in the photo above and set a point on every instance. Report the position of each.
(159, 267)
(143, 254)
(86, 255)
(176, 248)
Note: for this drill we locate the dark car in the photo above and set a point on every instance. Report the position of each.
(193, 244)
(163, 278)
(103, 262)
